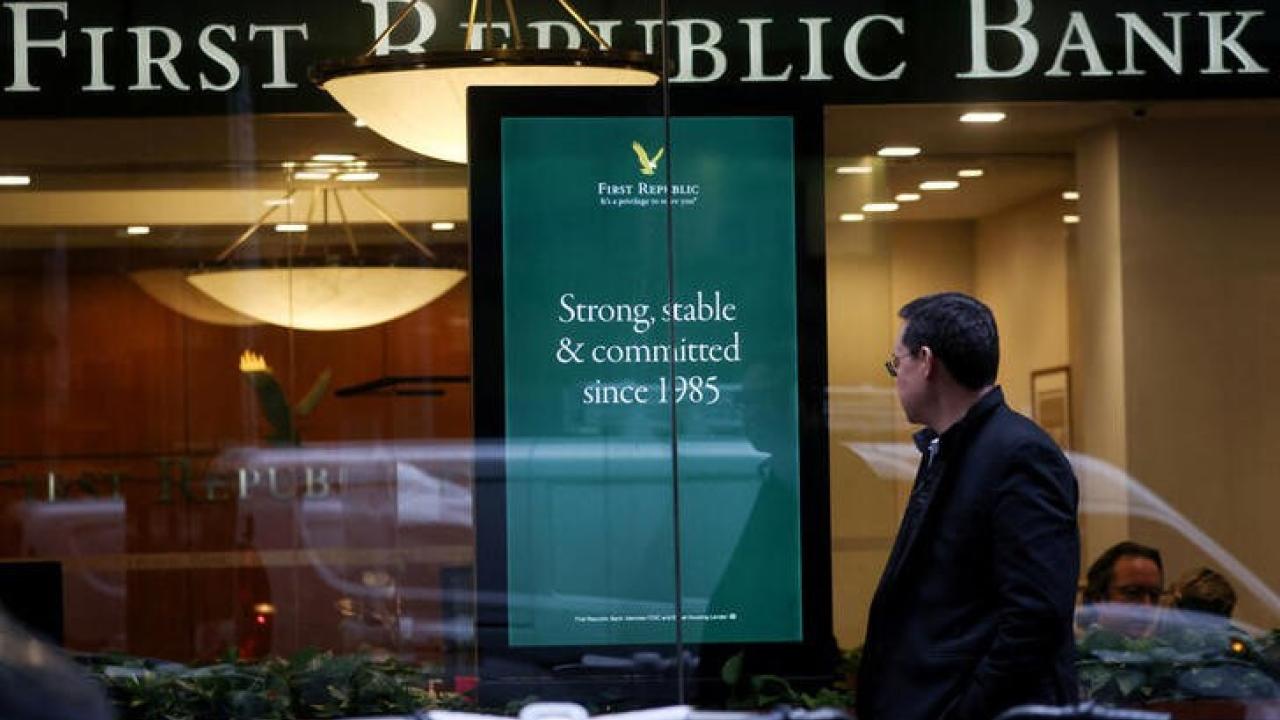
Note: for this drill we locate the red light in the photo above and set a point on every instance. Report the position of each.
(260, 619)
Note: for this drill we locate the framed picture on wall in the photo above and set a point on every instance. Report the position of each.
(1051, 403)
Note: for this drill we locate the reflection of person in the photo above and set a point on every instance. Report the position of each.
(1125, 575)
(973, 612)
(1203, 590)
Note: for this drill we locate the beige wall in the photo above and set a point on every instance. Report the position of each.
(873, 269)
(1201, 280)
(1021, 273)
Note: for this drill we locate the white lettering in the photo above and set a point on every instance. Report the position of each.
(147, 61)
(755, 53)
(279, 37)
(220, 56)
(604, 28)
(816, 70)
(544, 27)
(1217, 43)
(648, 26)
(854, 58)
(687, 49)
(1078, 38)
(477, 37)
(979, 27)
(1134, 26)
(97, 59)
(317, 483)
(382, 18)
(23, 43)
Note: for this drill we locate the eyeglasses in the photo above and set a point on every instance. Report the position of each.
(891, 365)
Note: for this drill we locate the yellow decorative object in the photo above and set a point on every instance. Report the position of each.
(251, 362)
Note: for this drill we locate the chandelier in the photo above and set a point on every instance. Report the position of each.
(418, 100)
(313, 288)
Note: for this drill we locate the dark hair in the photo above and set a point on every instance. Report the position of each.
(1204, 590)
(960, 331)
(1102, 571)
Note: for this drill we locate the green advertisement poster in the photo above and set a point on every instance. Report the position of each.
(591, 330)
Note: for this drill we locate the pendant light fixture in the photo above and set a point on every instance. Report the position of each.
(418, 100)
(317, 289)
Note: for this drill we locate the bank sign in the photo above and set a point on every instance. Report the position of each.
(122, 57)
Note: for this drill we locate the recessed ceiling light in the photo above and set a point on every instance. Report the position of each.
(291, 227)
(313, 175)
(333, 157)
(898, 151)
(853, 170)
(15, 180)
(852, 217)
(970, 173)
(907, 197)
(939, 184)
(443, 226)
(363, 176)
(983, 117)
(137, 230)
(880, 207)
(1071, 195)
(1071, 219)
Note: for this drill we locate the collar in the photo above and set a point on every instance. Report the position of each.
(979, 410)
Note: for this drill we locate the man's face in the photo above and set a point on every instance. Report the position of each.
(910, 380)
(1135, 581)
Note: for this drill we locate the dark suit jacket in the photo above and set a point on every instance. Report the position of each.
(973, 615)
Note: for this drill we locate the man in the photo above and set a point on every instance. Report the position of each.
(973, 613)
(1124, 578)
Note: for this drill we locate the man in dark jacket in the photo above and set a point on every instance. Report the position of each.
(973, 613)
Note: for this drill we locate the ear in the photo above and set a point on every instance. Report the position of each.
(929, 360)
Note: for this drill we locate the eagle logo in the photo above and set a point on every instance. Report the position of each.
(647, 166)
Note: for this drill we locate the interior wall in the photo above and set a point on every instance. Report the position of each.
(1201, 272)
(1098, 348)
(874, 268)
(1021, 274)
(122, 429)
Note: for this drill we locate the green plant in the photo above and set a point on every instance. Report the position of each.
(309, 685)
(281, 417)
(753, 692)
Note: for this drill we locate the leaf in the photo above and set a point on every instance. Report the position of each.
(314, 395)
(731, 672)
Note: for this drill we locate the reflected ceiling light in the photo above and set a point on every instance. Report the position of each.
(898, 151)
(15, 180)
(853, 170)
(418, 100)
(360, 123)
(276, 202)
(939, 185)
(971, 173)
(983, 117)
(1070, 195)
(907, 197)
(443, 226)
(137, 230)
(362, 176)
(328, 293)
(852, 217)
(880, 207)
(332, 158)
(313, 175)
(1071, 219)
